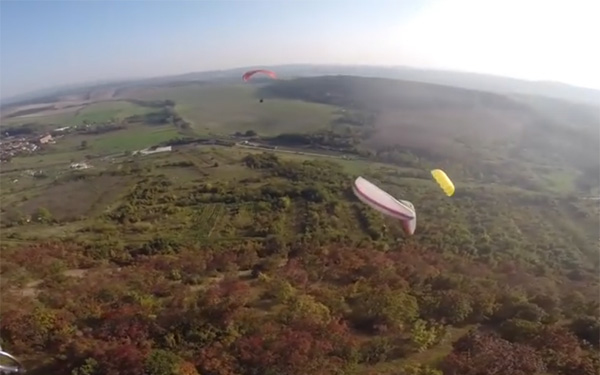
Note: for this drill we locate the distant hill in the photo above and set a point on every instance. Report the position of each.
(473, 81)
(481, 82)
(456, 126)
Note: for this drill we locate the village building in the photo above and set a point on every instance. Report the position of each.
(45, 139)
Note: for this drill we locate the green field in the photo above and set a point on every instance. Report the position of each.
(96, 112)
(132, 139)
(103, 112)
(68, 149)
(227, 109)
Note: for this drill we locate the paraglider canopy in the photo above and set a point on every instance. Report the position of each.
(251, 73)
(409, 226)
(15, 366)
(383, 202)
(246, 76)
(444, 181)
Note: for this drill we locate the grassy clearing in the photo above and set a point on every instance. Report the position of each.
(16, 188)
(105, 111)
(75, 199)
(430, 357)
(132, 139)
(48, 118)
(227, 109)
(560, 180)
(52, 163)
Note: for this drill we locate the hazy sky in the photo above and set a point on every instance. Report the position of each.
(47, 43)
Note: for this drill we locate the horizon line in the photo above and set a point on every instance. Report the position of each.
(90, 84)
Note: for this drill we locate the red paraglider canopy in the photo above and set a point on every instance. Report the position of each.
(250, 73)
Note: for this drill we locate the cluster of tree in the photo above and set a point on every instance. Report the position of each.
(12, 216)
(180, 164)
(180, 141)
(166, 116)
(247, 133)
(376, 94)
(489, 225)
(23, 130)
(356, 118)
(399, 156)
(156, 315)
(299, 263)
(324, 139)
(548, 349)
(162, 117)
(102, 129)
(152, 103)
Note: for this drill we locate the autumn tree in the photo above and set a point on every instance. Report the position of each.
(279, 289)
(378, 349)
(424, 335)
(304, 307)
(163, 362)
(452, 306)
(559, 348)
(574, 304)
(215, 359)
(587, 328)
(384, 309)
(420, 369)
(268, 351)
(41, 329)
(519, 330)
(120, 359)
(515, 306)
(487, 354)
(89, 367)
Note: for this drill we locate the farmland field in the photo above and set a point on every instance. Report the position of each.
(95, 112)
(225, 109)
(132, 139)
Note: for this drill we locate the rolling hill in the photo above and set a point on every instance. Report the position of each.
(480, 82)
(452, 126)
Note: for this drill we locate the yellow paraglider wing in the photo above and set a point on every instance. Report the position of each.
(444, 181)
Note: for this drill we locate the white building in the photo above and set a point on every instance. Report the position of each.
(153, 151)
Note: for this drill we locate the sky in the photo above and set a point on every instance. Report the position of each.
(53, 43)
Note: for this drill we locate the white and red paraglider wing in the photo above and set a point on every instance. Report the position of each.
(373, 196)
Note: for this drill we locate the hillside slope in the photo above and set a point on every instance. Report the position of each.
(450, 125)
(223, 257)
